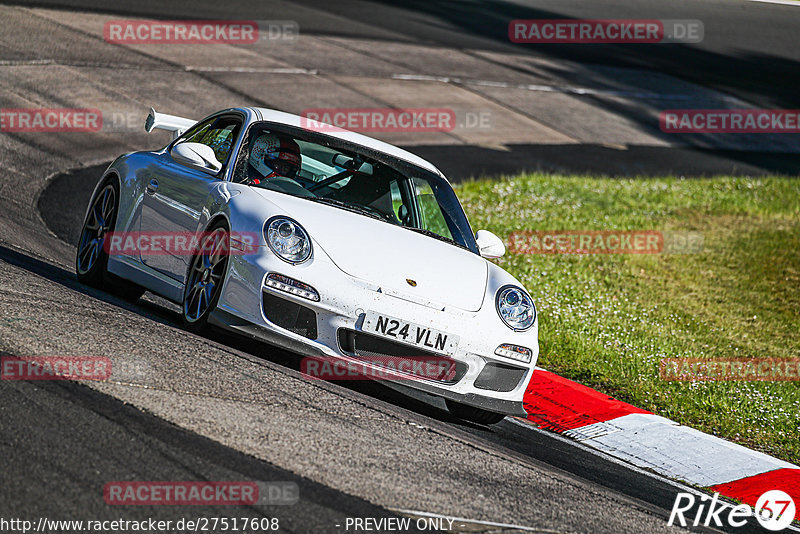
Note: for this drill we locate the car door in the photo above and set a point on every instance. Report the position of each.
(176, 193)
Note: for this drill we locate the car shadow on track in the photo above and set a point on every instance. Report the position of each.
(156, 309)
(73, 427)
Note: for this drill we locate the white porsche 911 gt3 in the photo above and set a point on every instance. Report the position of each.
(359, 252)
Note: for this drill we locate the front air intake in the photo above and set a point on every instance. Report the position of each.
(385, 353)
(290, 315)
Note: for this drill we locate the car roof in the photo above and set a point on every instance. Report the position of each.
(273, 115)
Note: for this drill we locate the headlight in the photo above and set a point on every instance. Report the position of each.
(515, 308)
(287, 239)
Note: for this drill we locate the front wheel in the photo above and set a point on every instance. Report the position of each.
(205, 279)
(473, 414)
(91, 259)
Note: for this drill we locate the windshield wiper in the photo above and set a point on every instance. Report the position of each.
(347, 206)
(434, 235)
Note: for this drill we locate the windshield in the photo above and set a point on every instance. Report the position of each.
(323, 169)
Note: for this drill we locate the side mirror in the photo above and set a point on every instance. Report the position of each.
(197, 156)
(489, 245)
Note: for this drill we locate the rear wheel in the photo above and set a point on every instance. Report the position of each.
(91, 259)
(206, 276)
(473, 414)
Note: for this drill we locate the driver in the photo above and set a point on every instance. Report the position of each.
(274, 155)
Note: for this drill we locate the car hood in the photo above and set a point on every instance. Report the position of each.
(392, 257)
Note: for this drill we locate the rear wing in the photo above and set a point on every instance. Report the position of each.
(171, 123)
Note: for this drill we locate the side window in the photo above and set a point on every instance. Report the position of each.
(432, 216)
(219, 134)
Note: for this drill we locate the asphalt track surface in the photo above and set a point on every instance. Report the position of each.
(750, 48)
(749, 52)
(185, 407)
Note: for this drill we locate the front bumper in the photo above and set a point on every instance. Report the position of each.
(343, 303)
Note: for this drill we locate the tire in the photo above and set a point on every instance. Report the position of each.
(206, 277)
(472, 414)
(91, 258)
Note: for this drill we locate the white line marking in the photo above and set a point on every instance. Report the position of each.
(566, 89)
(781, 2)
(187, 68)
(25, 62)
(268, 70)
(524, 423)
(473, 521)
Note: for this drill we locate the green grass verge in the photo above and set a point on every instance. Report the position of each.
(608, 320)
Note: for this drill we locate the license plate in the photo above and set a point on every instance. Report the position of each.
(410, 333)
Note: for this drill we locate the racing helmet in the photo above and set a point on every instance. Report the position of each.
(275, 155)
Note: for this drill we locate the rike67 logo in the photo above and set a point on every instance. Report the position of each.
(774, 510)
